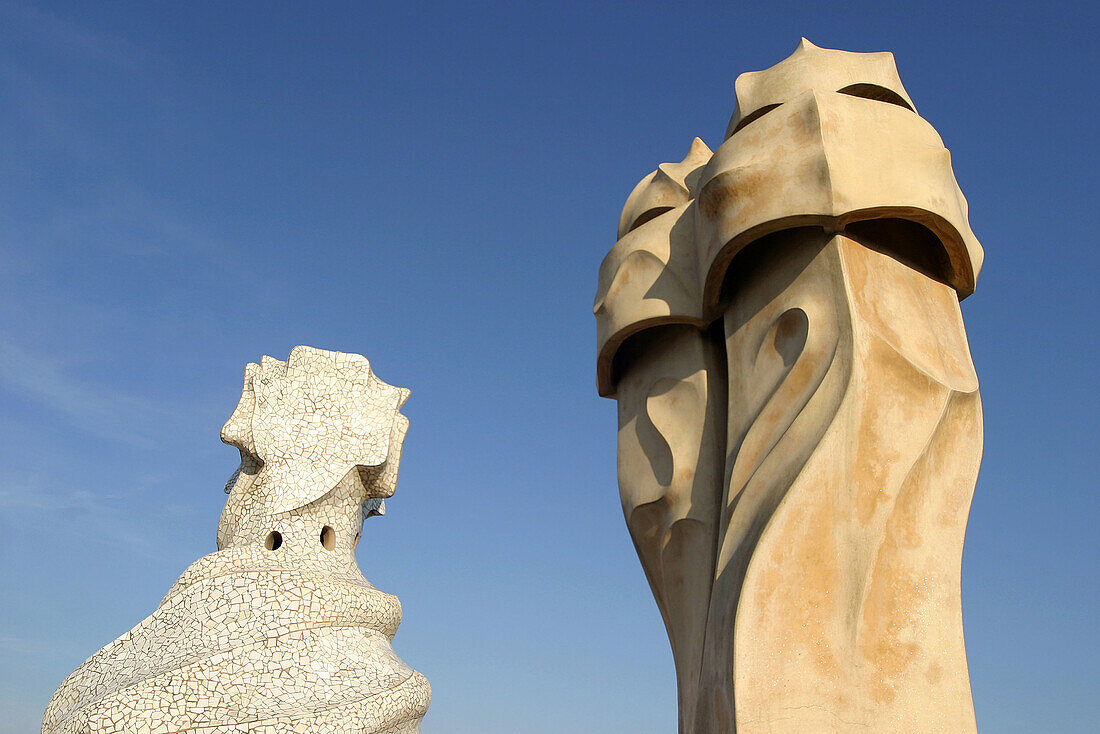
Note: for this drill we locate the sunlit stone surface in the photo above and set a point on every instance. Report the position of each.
(278, 631)
(799, 421)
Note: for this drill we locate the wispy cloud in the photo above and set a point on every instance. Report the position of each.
(40, 114)
(24, 646)
(14, 499)
(60, 86)
(20, 716)
(121, 218)
(61, 35)
(105, 413)
(50, 106)
(119, 517)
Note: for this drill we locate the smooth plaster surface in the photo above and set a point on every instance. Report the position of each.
(799, 422)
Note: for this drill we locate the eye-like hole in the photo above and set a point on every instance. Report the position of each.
(754, 116)
(274, 540)
(790, 335)
(877, 93)
(328, 538)
(649, 215)
(907, 242)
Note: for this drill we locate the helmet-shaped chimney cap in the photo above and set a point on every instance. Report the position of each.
(871, 75)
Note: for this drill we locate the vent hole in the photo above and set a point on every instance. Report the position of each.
(877, 93)
(648, 216)
(753, 117)
(328, 537)
(274, 540)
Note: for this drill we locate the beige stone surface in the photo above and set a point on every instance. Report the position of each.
(832, 160)
(671, 459)
(799, 422)
(278, 631)
(649, 277)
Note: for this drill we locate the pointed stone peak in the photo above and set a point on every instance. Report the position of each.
(671, 185)
(810, 67)
(699, 151)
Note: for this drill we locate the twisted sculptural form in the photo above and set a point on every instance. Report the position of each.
(799, 421)
(278, 631)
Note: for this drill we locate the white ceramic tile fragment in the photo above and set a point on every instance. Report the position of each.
(278, 631)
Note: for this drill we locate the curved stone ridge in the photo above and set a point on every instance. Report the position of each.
(278, 630)
(799, 421)
(826, 139)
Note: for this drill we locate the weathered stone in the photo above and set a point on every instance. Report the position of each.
(799, 422)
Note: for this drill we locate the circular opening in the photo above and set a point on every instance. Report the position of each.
(274, 540)
(328, 537)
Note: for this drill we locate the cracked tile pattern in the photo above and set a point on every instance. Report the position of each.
(277, 631)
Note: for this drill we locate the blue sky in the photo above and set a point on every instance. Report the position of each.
(185, 187)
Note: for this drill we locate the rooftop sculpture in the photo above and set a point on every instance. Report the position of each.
(799, 421)
(278, 631)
